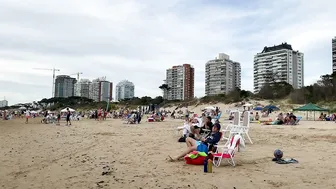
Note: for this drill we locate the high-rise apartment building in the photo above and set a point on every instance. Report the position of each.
(101, 90)
(124, 90)
(64, 86)
(334, 54)
(180, 81)
(82, 88)
(281, 63)
(222, 75)
(3, 103)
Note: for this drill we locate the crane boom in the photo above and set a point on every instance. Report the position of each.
(54, 75)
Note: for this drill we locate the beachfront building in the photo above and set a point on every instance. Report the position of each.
(124, 90)
(64, 86)
(180, 81)
(282, 63)
(101, 90)
(222, 75)
(3, 103)
(334, 54)
(82, 88)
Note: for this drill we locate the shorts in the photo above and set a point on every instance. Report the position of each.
(198, 142)
(68, 119)
(27, 117)
(187, 116)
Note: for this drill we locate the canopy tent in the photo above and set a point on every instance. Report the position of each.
(271, 107)
(65, 110)
(247, 105)
(310, 108)
(22, 108)
(209, 108)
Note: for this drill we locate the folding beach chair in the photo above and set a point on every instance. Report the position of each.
(227, 151)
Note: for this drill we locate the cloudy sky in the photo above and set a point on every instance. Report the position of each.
(139, 39)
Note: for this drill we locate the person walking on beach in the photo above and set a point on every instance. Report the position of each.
(68, 117)
(27, 115)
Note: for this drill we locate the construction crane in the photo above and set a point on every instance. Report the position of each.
(78, 73)
(54, 75)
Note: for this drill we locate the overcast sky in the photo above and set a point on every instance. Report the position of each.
(138, 40)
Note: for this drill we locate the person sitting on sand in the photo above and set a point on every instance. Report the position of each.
(192, 144)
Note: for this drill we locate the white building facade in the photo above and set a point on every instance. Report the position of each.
(180, 80)
(82, 88)
(282, 62)
(222, 75)
(3, 103)
(124, 90)
(101, 90)
(334, 54)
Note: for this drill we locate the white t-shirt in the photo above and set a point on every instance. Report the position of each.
(186, 129)
(27, 113)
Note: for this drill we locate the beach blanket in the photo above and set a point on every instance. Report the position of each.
(285, 161)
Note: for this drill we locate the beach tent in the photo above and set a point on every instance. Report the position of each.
(210, 108)
(65, 110)
(311, 108)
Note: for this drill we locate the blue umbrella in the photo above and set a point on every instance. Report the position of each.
(258, 108)
(271, 107)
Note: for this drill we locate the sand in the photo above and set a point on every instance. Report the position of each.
(47, 156)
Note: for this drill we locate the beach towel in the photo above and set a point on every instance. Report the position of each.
(285, 161)
(241, 142)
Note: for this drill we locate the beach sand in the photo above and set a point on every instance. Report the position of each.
(47, 156)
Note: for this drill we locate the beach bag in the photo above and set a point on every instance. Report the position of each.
(202, 148)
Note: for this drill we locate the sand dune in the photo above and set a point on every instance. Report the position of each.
(134, 156)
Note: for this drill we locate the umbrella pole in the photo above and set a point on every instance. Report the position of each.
(314, 115)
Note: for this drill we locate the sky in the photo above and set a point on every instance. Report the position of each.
(138, 40)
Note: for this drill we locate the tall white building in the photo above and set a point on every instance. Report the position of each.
(124, 90)
(334, 54)
(101, 90)
(3, 103)
(82, 88)
(180, 80)
(64, 86)
(280, 61)
(222, 75)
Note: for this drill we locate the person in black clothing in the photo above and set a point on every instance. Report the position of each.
(207, 125)
(192, 144)
(68, 117)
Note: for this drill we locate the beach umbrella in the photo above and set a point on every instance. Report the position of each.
(22, 108)
(271, 107)
(65, 110)
(258, 108)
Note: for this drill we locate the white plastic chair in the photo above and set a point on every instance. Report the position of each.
(246, 125)
(229, 128)
(227, 151)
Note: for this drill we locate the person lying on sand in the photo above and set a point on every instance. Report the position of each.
(192, 144)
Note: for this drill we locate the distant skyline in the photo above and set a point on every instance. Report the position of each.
(138, 40)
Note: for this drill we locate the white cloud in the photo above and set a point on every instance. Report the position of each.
(139, 40)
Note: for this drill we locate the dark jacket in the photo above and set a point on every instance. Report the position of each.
(213, 139)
